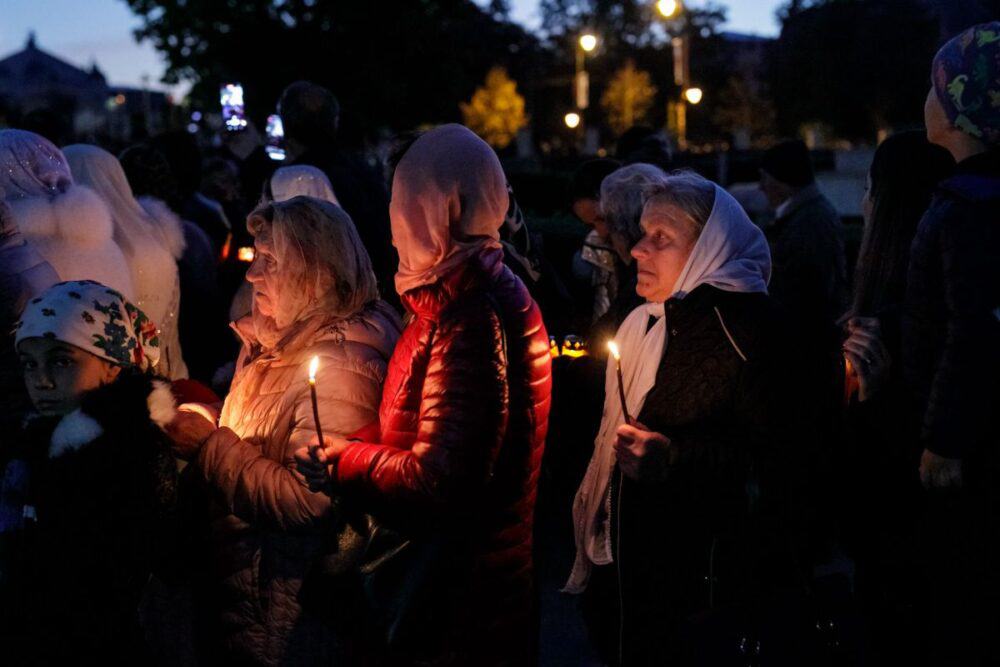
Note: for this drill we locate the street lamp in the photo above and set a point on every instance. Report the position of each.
(581, 82)
(693, 95)
(668, 8)
(572, 120)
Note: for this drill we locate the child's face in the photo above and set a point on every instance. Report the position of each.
(57, 374)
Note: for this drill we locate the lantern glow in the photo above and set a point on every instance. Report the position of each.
(245, 254)
(588, 42)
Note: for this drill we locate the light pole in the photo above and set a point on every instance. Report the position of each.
(581, 82)
(680, 43)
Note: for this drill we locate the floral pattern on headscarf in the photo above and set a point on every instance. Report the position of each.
(966, 77)
(94, 318)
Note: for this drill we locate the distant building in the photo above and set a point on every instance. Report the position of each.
(34, 81)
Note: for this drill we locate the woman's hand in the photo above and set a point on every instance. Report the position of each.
(189, 430)
(644, 455)
(315, 462)
(938, 472)
(867, 353)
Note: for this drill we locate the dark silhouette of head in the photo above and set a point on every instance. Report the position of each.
(641, 143)
(149, 174)
(785, 168)
(904, 172)
(183, 156)
(310, 114)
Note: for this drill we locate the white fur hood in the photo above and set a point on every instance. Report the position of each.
(77, 215)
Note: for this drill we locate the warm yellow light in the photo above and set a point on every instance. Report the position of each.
(613, 346)
(588, 42)
(313, 367)
(572, 120)
(668, 8)
(245, 254)
(693, 95)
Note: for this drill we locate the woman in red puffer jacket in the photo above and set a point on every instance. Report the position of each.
(464, 408)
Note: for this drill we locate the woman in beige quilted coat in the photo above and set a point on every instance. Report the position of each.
(274, 541)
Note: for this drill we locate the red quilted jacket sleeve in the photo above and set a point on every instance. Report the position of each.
(461, 420)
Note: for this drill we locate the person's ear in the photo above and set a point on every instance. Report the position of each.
(111, 372)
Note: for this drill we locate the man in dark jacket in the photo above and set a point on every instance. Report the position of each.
(951, 349)
(810, 275)
(311, 117)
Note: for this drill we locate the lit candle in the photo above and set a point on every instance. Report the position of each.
(313, 366)
(613, 346)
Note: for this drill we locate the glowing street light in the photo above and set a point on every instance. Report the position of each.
(693, 95)
(588, 42)
(572, 120)
(668, 8)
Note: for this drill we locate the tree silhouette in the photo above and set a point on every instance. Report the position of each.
(406, 64)
(496, 110)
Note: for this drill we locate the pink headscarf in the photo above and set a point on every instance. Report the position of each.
(31, 166)
(449, 199)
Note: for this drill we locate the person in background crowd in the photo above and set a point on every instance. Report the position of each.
(311, 117)
(220, 182)
(463, 418)
(246, 150)
(182, 154)
(622, 199)
(951, 356)
(151, 249)
(23, 276)
(68, 224)
(684, 515)
(882, 427)
(274, 543)
(594, 264)
(89, 483)
(202, 324)
(306, 180)
(522, 253)
(646, 145)
(810, 274)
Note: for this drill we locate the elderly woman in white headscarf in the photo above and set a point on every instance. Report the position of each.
(314, 297)
(151, 247)
(687, 477)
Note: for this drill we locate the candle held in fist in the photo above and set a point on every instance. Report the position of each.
(613, 346)
(313, 367)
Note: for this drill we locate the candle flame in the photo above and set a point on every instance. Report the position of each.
(613, 346)
(313, 367)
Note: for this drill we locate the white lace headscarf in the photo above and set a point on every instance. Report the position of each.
(150, 260)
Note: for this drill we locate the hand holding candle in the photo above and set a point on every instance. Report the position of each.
(613, 346)
(313, 367)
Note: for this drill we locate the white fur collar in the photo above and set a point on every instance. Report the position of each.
(78, 429)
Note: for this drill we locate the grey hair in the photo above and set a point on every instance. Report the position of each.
(623, 195)
(688, 193)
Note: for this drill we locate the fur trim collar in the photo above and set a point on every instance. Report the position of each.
(77, 215)
(102, 408)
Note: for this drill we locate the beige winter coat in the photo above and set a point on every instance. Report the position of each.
(274, 539)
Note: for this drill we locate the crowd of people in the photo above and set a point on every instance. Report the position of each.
(331, 455)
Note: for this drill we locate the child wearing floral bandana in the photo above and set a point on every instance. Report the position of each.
(89, 485)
